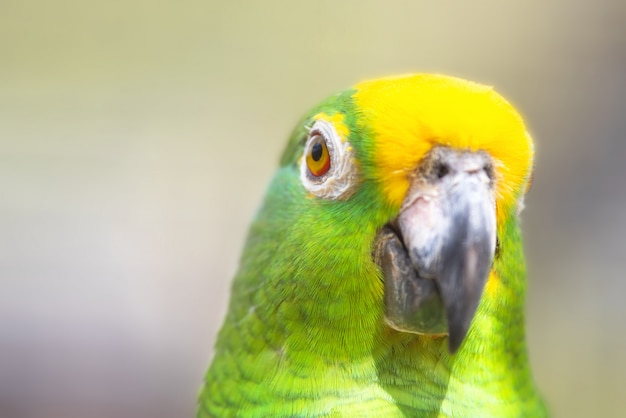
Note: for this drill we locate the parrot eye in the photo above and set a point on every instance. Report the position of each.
(317, 157)
(327, 168)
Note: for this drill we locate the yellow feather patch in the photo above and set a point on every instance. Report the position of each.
(493, 282)
(337, 120)
(411, 114)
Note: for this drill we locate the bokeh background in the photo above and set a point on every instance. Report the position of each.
(137, 138)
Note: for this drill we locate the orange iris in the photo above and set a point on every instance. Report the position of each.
(318, 158)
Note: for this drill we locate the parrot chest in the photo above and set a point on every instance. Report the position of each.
(365, 389)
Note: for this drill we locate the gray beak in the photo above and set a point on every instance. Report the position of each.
(437, 254)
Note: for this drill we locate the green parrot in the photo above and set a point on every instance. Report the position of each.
(384, 274)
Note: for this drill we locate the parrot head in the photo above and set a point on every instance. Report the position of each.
(384, 273)
(399, 191)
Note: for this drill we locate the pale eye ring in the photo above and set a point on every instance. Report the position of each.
(327, 168)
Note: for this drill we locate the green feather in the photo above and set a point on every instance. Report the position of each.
(305, 332)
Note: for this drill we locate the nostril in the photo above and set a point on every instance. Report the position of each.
(443, 163)
(441, 170)
(488, 169)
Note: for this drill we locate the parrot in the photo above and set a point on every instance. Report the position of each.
(384, 273)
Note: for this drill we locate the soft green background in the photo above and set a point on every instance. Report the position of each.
(137, 138)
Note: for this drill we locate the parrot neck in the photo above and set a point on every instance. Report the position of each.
(341, 330)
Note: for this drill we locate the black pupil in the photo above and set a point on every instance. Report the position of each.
(316, 151)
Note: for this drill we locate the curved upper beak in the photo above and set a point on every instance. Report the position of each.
(437, 257)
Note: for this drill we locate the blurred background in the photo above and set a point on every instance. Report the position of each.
(137, 138)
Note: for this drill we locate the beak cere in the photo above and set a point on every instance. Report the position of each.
(436, 255)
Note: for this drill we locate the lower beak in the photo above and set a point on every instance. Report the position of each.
(437, 254)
